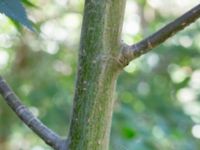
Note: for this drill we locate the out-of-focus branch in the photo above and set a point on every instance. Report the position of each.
(51, 138)
(131, 52)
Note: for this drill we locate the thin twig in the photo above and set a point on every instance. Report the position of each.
(131, 52)
(51, 138)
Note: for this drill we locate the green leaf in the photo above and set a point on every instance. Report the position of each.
(15, 10)
(128, 132)
(29, 4)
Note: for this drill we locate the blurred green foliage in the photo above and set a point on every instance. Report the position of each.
(157, 99)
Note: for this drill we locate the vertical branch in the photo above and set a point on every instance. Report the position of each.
(97, 73)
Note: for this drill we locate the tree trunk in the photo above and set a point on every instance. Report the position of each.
(101, 58)
(97, 73)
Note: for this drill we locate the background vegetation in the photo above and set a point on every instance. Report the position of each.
(158, 95)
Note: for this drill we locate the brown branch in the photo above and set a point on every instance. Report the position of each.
(51, 138)
(131, 52)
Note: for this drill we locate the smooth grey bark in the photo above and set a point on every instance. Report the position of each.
(131, 52)
(51, 138)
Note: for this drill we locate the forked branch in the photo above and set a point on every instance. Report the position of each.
(51, 138)
(131, 52)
